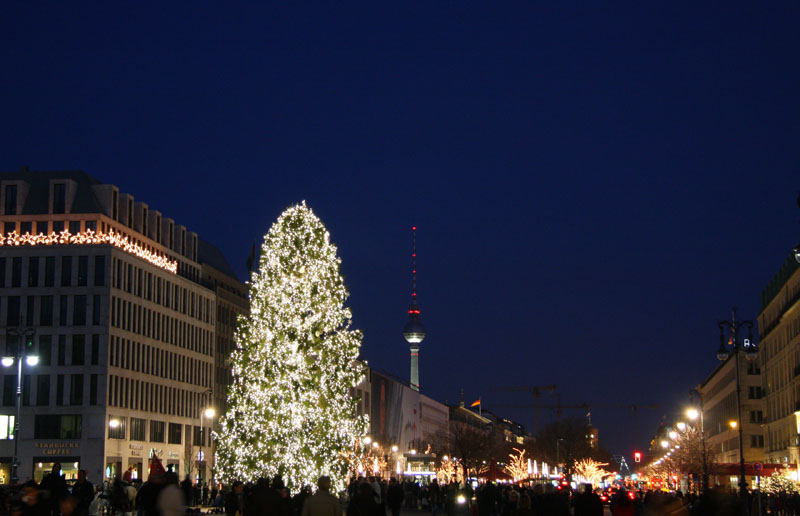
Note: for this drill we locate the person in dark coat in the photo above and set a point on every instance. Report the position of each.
(588, 503)
(83, 491)
(234, 501)
(364, 503)
(55, 488)
(394, 496)
(188, 489)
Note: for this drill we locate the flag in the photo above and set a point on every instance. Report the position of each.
(476, 403)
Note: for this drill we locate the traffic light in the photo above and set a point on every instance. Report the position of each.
(637, 456)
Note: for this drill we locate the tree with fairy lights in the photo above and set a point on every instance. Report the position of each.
(290, 411)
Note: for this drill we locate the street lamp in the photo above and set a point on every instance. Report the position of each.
(751, 352)
(26, 352)
(209, 414)
(695, 414)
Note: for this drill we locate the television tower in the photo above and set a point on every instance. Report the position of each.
(414, 331)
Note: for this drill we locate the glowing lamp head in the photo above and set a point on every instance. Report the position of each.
(733, 424)
(693, 414)
(394, 448)
(664, 444)
(7, 361)
(209, 413)
(367, 440)
(673, 435)
(114, 423)
(31, 360)
(681, 426)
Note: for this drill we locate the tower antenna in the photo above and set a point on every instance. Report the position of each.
(414, 331)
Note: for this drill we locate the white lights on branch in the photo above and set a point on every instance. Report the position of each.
(89, 237)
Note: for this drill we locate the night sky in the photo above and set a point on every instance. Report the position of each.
(594, 187)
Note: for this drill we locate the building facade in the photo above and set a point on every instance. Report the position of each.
(718, 395)
(779, 327)
(123, 304)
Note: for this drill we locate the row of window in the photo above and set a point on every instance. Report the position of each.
(171, 433)
(152, 324)
(72, 310)
(42, 271)
(141, 283)
(143, 358)
(130, 393)
(75, 349)
(38, 390)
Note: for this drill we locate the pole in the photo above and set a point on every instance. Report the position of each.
(200, 458)
(742, 480)
(15, 464)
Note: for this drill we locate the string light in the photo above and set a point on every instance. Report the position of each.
(290, 411)
(89, 237)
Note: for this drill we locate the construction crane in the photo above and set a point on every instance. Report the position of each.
(535, 390)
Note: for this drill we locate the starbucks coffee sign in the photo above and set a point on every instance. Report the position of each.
(56, 448)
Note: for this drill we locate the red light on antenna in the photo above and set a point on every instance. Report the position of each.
(414, 228)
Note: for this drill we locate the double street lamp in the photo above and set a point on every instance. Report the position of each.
(751, 352)
(24, 350)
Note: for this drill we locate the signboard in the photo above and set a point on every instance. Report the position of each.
(56, 448)
(758, 466)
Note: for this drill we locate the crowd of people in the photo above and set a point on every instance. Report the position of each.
(163, 495)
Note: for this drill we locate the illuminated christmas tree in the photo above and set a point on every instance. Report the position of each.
(290, 409)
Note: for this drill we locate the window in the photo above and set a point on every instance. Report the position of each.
(83, 270)
(66, 271)
(12, 313)
(96, 303)
(49, 271)
(33, 271)
(91, 225)
(117, 427)
(99, 271)
(59, 198)
(79, 311)
(138, 429)
(42, 390)
(41, 227)
(78, 349)
(30, 301)
(26, 390)
(62, 349)
(75, 226)
(6, 427)
(60, 389)
(16, 272)
(2, 272)
(46, 311)
(756, 416)
(58, 226)
(753, 368)
(45, 351)
(756, 441)
(9, 390)
(95, 349)
(157, 431)
(25, 228)
(57, 427)
(11, 200)
(93, 389)
(62, 311)
(175, 433)
(754, 393)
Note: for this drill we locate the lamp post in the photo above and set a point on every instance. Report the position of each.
(209, 414)
(750, 350)
(30, 359)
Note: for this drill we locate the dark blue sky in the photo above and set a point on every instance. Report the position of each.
(594, 187)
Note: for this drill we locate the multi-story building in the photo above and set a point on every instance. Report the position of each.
(718, 395)
(131, 316)
(779, 326)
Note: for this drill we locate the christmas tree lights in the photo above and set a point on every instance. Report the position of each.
(290, 408)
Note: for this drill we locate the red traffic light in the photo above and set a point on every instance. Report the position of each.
(637, 456)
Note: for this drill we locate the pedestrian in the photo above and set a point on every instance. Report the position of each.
(83, 491)
(234, 501)
(322, 503)
(170, 500)
(363, 504)
(55, 489)
(394, 496)
(588, 503)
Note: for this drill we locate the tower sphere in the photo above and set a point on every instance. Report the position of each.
(414, 331)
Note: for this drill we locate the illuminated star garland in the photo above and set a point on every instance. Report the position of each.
(290, 409)
(89, 237)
